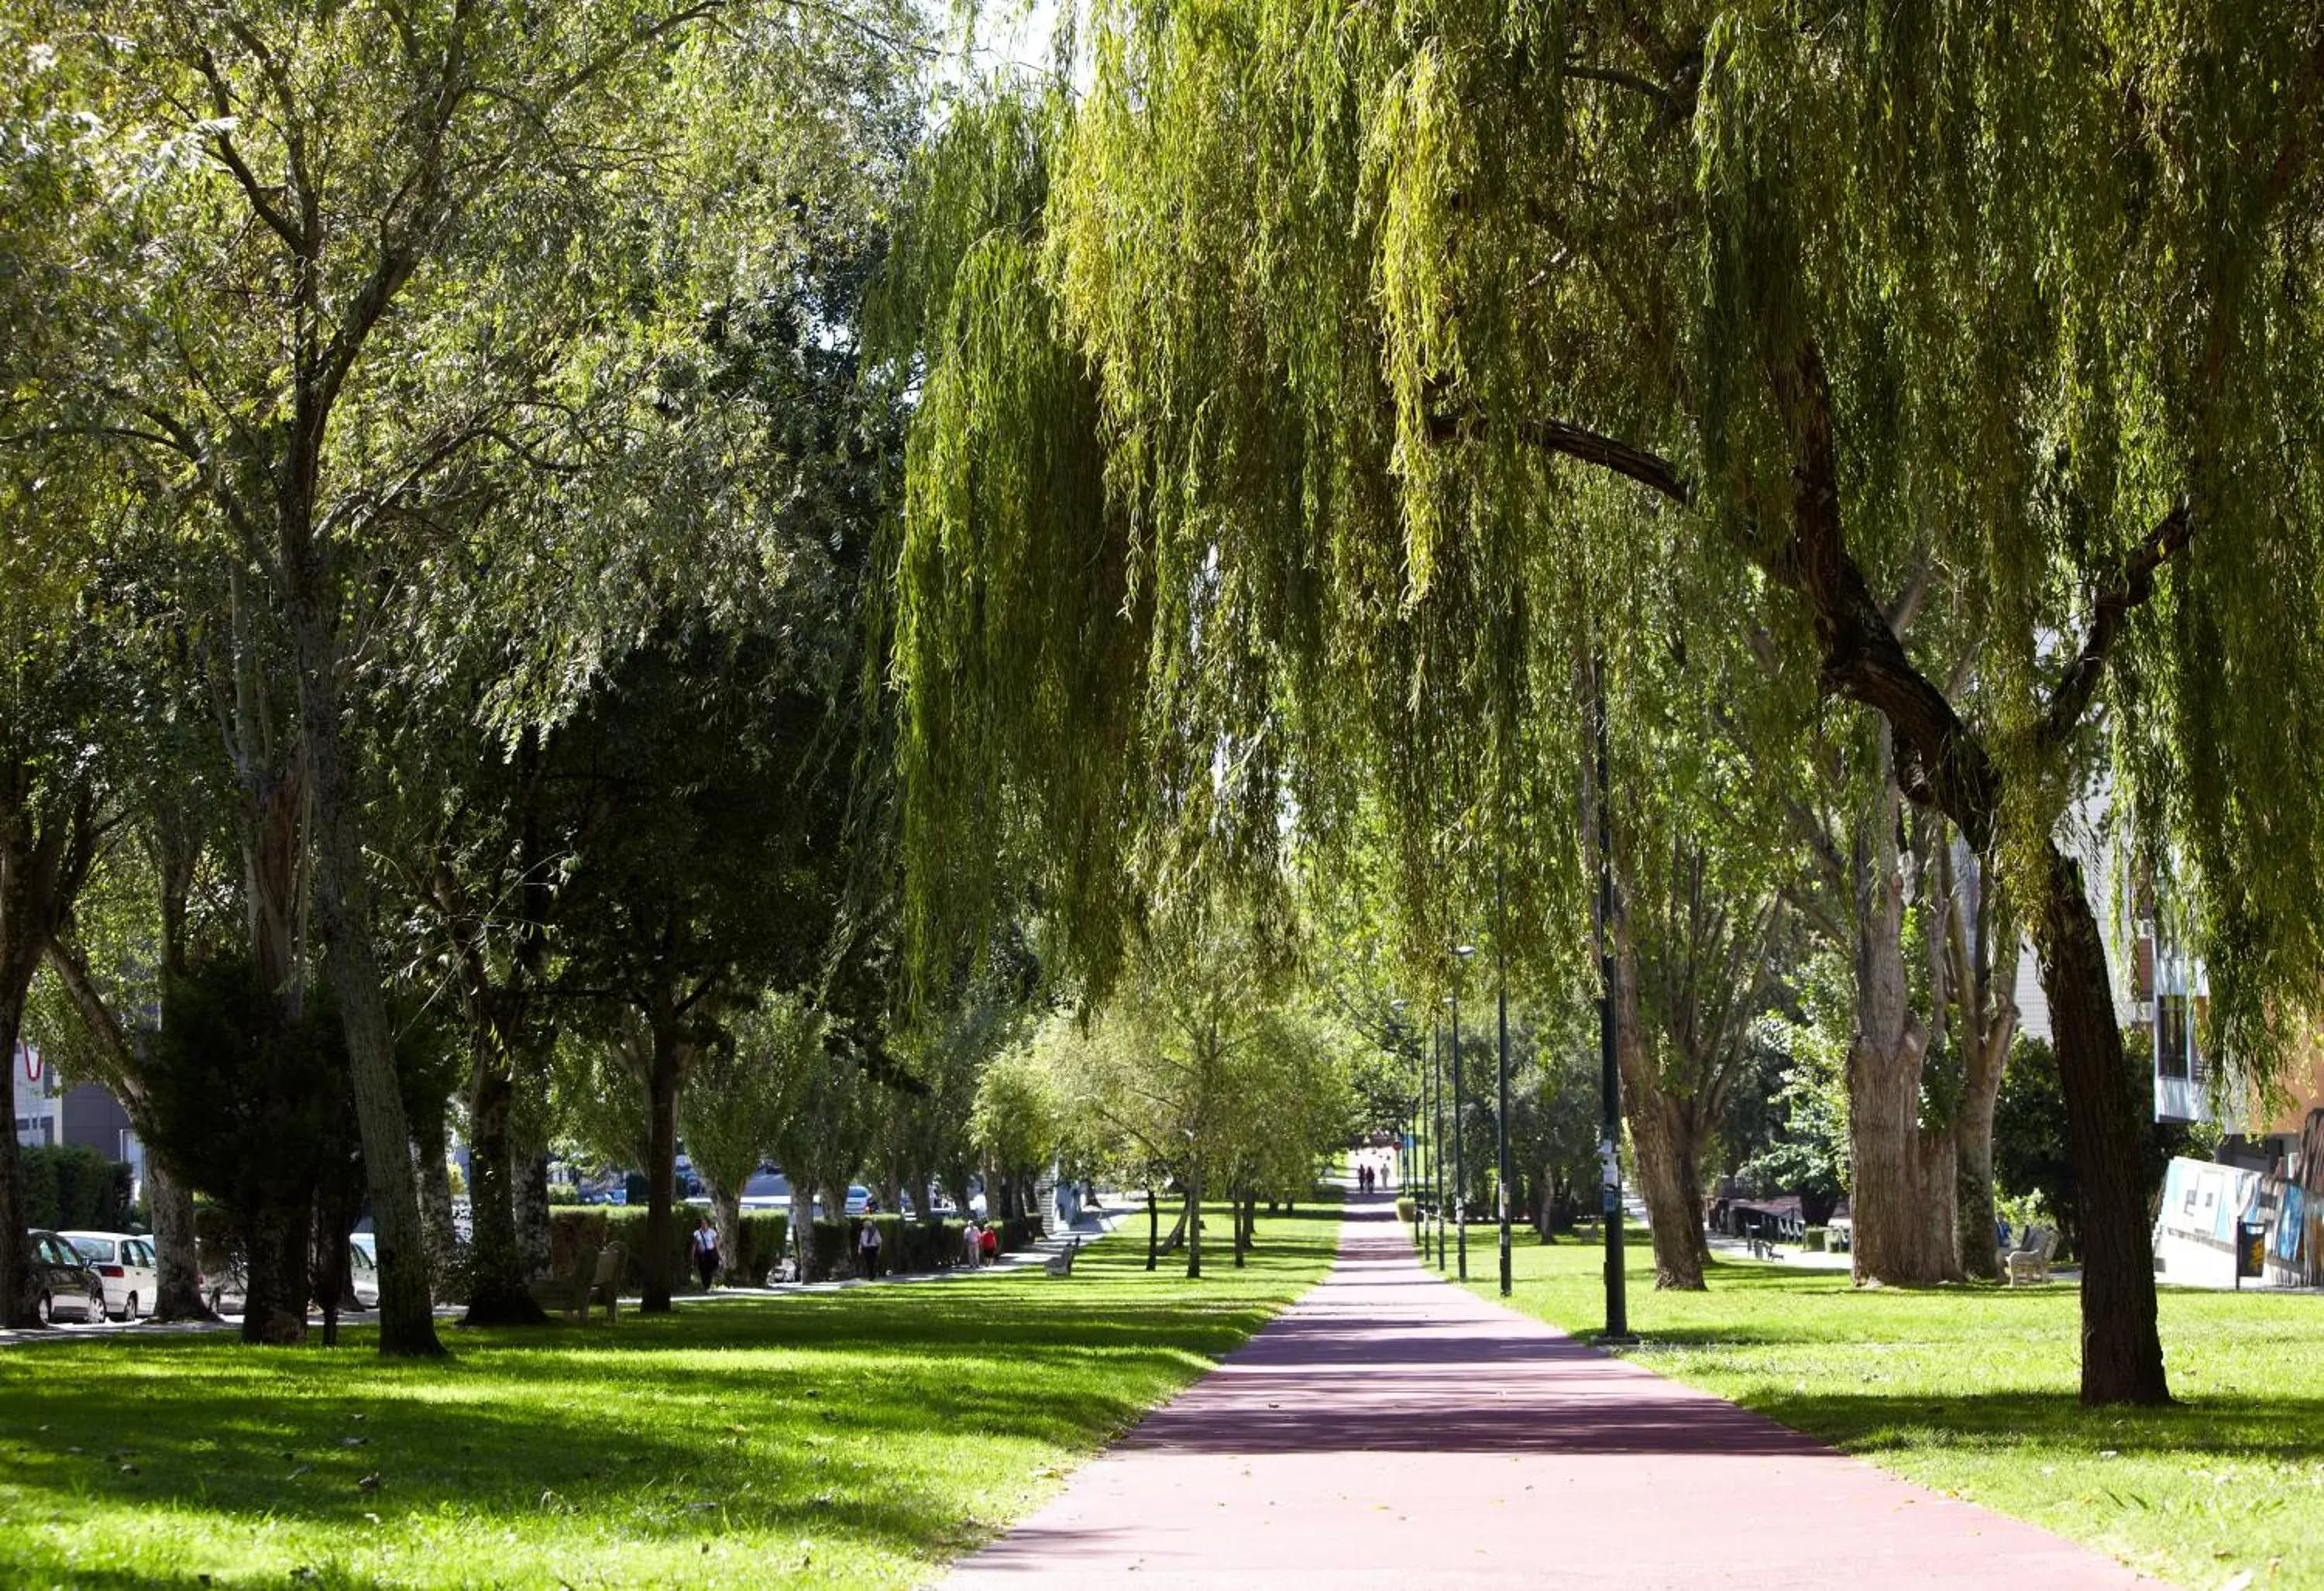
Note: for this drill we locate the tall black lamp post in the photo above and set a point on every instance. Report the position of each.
(1411, 1143)
(1609, 1072)
(1460, 954)
(1502, 1116)
(1436, 1136)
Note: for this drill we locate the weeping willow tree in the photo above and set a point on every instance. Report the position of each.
(1300, 400)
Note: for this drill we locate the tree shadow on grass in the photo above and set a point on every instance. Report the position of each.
(2274, 1430)
(778, 1415)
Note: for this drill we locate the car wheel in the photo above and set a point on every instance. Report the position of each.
(44, 1310)
(130, 1315)
(96, 1306)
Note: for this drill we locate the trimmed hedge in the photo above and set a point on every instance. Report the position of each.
(905, 1246)
(575, 1226)
(71, 1188)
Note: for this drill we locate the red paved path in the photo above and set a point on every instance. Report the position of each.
(1393, 1429)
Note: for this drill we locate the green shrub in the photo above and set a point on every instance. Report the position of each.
(594, 1225)
(70, 1187)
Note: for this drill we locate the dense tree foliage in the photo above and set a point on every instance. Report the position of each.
(1305, 399)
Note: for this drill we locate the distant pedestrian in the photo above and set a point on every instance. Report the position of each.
(988, 1241)
(867, 1247)
(705, 1250)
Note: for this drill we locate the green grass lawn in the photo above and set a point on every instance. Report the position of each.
(1971, 1390)
(863, 1437)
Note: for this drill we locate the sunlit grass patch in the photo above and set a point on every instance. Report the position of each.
(860, 1438)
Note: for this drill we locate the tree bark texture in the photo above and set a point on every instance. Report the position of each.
(2122, 1346)
(727, 1214)
(431, 1154)
(497, 1293)
(274, 1252)
(1194, 1227)
(664, 1071)
(1667, 1160)
(1153, 1230)
(532, 1211)
(407, 1320)
(46, 849)
(178, 1278)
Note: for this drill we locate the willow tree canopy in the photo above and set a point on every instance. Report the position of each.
(1302, 399)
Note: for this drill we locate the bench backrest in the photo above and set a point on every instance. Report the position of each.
(608, 1273)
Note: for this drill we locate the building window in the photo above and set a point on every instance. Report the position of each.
(2171, 1057)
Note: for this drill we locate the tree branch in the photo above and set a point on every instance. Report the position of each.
(2132, 584)
(1587, 447)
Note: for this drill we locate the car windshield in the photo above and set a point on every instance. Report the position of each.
(97, 1251)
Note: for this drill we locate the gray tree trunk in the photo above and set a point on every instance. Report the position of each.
(407, 1319)
(178, 1291)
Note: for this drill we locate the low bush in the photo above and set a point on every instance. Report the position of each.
(70, 1187)
(571, 1229)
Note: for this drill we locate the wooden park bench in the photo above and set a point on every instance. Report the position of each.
(1061, 1264)
(2030, 1261)
(597, 1274)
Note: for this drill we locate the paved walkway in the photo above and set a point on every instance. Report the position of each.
(1393, 1429)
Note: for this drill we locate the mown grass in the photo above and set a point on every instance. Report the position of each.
(863, 1437)
(1971, 1390)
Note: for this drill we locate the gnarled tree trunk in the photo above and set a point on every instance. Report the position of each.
(497, 1292)
(178, 1277)
(2122, 1346)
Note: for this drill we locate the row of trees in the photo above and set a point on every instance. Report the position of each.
(447, 531)
(438, 502)
(1801, 460)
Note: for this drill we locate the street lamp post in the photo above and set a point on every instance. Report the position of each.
(1436, 1136)
(1460, 953)
(1610, 1071)
(1411, 1144)
(1502, 1118)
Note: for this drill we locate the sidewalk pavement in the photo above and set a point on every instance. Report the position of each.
(1393, 1429)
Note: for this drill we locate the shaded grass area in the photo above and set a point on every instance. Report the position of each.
(861, 1438)
(1971, 1390)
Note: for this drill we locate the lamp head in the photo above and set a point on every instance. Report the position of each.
(1464, 951)
(1399, 1005)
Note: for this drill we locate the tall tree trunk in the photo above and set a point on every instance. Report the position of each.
(1664, 1164)
(497, 1293)
(1153, 1229)
(1667, 1182)
(407, 1318)
(664, 1070)
(1982, 945)
(1194, 1227)
(15, 1254)
(1940, 1233)
(431, 1152)
(178, 1277)
(1976, 1225)
(274, 1252)
(44, 859)
(726, 1215)
(2122, 1348)
(532, 1211)
(1889, 1193)
(799, 1231)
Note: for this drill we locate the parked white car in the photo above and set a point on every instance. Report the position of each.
(126, 1263)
